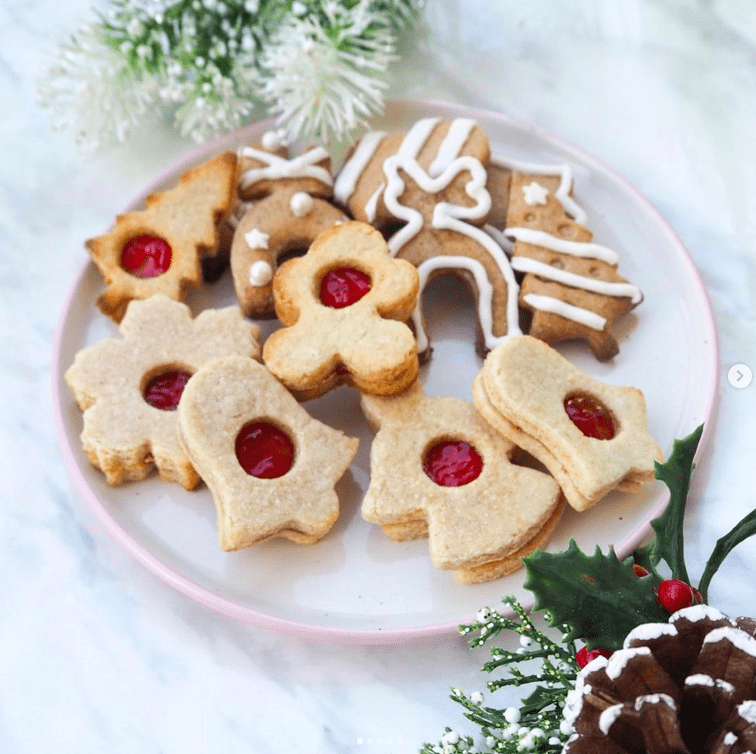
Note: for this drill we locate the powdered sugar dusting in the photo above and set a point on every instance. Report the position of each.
(650, 631)
(735, 636)
(697, 613)
(747, 710)
(618, 661)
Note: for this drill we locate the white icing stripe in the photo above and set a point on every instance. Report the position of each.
(565, 182)
(416, 137)
(603, 287)
(568, 311)
(499, 237)
(485, 297)
(371, 207)
(573, 248)
(449, 216)
(458, 133)
(350, 173)
(304, 166)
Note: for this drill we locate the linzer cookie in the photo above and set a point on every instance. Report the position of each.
(591, 436)
(431, 183)
(129, 388)
(288, 211)
(437, 469)
(343, 305)
(270, 466)
(571, 285)
(158, 249)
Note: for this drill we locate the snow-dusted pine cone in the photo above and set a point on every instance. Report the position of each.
(683, 687)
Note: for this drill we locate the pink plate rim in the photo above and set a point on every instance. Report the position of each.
(338, 635)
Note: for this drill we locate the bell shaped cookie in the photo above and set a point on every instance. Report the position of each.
(270, 466)
(592, 437)
(344, 304)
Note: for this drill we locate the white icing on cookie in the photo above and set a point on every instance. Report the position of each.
(565, 182)
(458, 133)
(260, 274)
(350, 173)
(535, 193)
(256, 239)
(272, 140)
(563, 309)
(604, 287)
(301, 204)
(585, 250)
(275, 167)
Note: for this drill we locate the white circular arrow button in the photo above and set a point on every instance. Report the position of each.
(740, 375)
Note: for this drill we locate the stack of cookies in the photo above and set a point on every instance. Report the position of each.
(342, 262)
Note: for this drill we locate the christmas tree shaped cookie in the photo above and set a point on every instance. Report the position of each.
(159, 249)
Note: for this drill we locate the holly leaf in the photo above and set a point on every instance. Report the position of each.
(675, 472)
(744, 529)
(597, 596)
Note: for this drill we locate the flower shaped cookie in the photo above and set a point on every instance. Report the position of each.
(158, 249)
(438, 470)
(129, 388)
(270, 466)
(344, 304)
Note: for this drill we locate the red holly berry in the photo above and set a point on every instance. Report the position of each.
(674, 595)
(585, 655)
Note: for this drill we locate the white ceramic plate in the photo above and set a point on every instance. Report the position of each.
(357, 586)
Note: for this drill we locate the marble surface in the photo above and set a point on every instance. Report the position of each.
(98, 654)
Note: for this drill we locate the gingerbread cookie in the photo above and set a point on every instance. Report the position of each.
(437, 469)
(344, 304)
(591, 436)
(158, 249)
(128, 388)
(270, 466)
(571, 285)
(288, 213)
(432, 182)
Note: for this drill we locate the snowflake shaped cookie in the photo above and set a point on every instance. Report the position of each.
(344, 304)
(128, 387)
(271, 467)
(439, 470)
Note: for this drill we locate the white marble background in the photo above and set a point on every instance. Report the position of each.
(97, 654)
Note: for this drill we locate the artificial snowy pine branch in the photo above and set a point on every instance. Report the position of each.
(318, 66)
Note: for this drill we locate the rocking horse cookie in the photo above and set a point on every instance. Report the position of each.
(287, 212)
(270, 466)
(591, 436)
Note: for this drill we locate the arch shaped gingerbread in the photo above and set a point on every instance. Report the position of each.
(432, 182)
(289, 211)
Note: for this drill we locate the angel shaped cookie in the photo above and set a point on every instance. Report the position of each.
(437, 469)
(129, 387)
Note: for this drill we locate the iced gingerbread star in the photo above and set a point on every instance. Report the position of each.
(129, 387)
(344, 304)
(438, 470)
(158, 249)
(270, 466)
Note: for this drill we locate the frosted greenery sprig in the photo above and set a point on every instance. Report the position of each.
(548, 666)
(318, 66)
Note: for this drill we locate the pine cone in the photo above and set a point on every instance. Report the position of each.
(683, 687)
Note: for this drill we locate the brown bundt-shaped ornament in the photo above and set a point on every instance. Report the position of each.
(683, 687)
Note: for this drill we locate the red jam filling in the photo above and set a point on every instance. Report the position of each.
(453, 463)
(590, 417)
(164, 390)
(146, 256)
(343, 286)
(264, 451)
